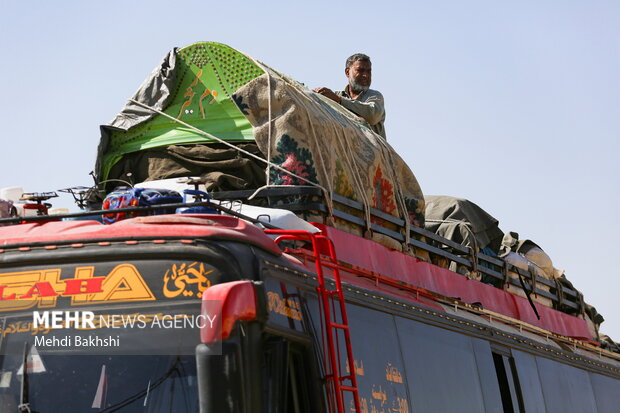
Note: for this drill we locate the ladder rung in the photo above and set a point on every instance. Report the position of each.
(348, 388)
(342, 326)
(333, 377)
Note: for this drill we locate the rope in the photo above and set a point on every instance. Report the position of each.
(360, 187)
(400, 197)
(340, 139)
(326, 194)
(560, 293)
(226, 143)
(346, 150)
(349, 158)
(328, 197)
(528, 293)
(268, 129)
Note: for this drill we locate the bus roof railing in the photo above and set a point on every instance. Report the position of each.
(493, 270)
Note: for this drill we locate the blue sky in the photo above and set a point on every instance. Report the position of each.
(513, 105)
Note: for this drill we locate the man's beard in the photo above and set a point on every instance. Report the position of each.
(356, 87)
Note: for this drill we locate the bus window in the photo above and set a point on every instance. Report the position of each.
(566, 388)
(288, 380)
(512, 401)
(275, 383)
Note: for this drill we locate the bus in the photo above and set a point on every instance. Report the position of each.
(226, 313)
(304, 281)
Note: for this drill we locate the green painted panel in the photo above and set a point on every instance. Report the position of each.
(207, 75)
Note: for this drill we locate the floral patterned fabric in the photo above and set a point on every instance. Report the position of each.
(324, 143)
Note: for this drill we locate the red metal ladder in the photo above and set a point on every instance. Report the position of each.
(335, 380)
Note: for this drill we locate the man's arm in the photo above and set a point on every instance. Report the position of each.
(372, 109)
(328, 93)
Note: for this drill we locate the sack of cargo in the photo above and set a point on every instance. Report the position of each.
(134, 197)
(532, 253)
(522, 262)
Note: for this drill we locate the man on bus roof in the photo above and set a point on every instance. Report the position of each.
(357, 95)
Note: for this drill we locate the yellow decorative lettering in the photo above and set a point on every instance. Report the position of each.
(279, 305)
(392, 374)
(123, 284)
(359, 367)
(18, 284)
(380, 394)
(178, 278)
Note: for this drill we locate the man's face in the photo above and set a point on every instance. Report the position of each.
(359, 75)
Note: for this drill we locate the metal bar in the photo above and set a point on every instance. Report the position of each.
(419, 231)
(440, 252)
(374, 212)
(428, 234)
(459, 254)
(39, 218)
(492, 273)
(268, 192)
(490, 260)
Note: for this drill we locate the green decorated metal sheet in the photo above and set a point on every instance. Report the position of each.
(206, 75)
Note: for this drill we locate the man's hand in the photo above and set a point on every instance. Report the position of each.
(328, 93)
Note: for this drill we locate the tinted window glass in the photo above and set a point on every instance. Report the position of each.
(508, 381)
(103, 383)
(380, 370)
(606, 393)
(488, 376)
(531, 388)
(442, 370)
(566, 388)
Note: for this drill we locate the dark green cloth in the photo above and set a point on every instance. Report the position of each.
(226, 168)
(462, 221)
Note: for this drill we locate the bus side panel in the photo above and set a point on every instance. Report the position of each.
(566, 388)
(606, 393)
(442, 370)
(531, 388)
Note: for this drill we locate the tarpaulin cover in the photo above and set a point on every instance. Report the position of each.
(230, 95)
(193, 84)
(463, 222)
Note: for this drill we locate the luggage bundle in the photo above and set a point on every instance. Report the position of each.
(133, 197)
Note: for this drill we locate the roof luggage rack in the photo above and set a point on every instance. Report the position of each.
(35, 201)
(309, 201)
